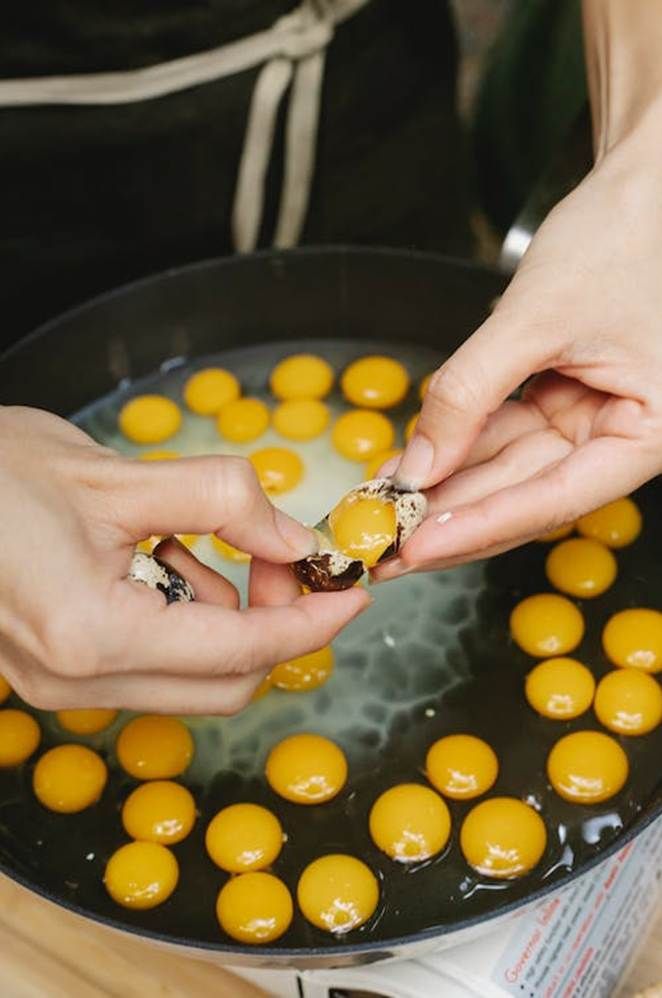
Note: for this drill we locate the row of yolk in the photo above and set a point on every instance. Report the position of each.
(300, 382)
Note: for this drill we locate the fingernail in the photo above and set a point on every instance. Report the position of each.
(302, 540)
(388, 468)
(416, 463)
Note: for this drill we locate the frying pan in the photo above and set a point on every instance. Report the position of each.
(361, 295)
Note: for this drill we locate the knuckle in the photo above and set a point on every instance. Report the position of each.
(239, 483)
(450, 389)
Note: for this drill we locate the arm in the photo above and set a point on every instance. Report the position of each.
(583, 316)
(74, 632)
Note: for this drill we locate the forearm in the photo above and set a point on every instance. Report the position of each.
(623, 40)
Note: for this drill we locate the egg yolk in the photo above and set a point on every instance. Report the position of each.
(302, 376)
(306, 769)
(409, 823)
(5, 689)
(546, 624)
(304, 673)
(617, 524)
(244, 837)
(461, 766)
(629, 702)
(243, 420)
(634, 637)
(278, 469)
(581, 567)
(363, 527)
(301, 419)
(159, 811)
(159, 455)
(69, 778)
(375, 382)
(558, 534)
(254, 908)
(424, 385)
(149, 419)
(147, 546)
(337, 893)
(86, 722)
(410, 426)
(360, 434)
(19, 736)
(587, 767)
(141, 875)
(227, 551)
(373, 466)
(152, 747)
(207, 391)
(560, 688)
(262, 689)
(503, 838)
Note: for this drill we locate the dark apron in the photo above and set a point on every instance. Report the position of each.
(95, 196)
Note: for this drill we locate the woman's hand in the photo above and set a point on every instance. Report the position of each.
(74, 632)
(583, 316)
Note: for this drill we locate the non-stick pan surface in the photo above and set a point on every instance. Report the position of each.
(348, 294)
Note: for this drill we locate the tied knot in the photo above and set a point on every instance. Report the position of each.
(304, 33)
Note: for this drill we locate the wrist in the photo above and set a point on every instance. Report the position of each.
(623, 40)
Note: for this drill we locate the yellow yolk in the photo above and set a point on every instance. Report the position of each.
(149, 419)
(301, 419)
(278, 469)
(410, 823)
(560, 688)
(410, 426)
(360, 434)
(503, 838)
(581, 567)
(424, 385)
(254, 908)
(302, 376)
(244, 837)
(363, 527)
(337, 893)
(152, 747)
(207, 391)
(159, 455)
(587, 767)
(69, 778)
(159, 811)
(546, 624)
(304, 673)
(558, 534)
(19, 737)
(617, 524)
(263, 688)
(306, 769)
(85, 722)
(243, 420)
(461, 766)
(629, 702)
(375, 382)
(634, 637)
(227, 551)
(373, 466)
(147, 546)
(141, 875)
(5, 689)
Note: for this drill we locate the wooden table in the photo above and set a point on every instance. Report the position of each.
(49, 953)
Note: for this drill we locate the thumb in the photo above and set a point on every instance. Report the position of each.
(204, 495)
(466, 389)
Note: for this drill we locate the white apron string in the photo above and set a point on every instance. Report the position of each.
(293, 47)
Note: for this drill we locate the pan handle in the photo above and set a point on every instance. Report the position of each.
(567, 169)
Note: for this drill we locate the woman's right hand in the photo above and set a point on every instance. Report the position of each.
(75, 632)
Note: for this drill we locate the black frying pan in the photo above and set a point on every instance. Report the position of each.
(355, 294)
